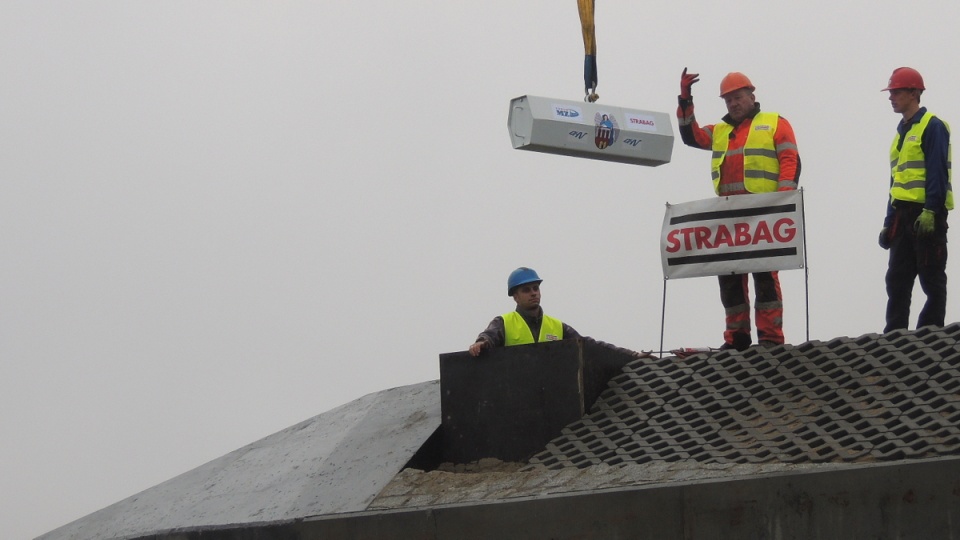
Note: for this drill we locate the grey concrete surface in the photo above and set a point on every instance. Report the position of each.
(332, 463)
(918, 500)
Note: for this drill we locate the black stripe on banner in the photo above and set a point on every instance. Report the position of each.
(726, 214)
(737, 256)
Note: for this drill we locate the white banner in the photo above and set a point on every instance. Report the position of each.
(740, 234)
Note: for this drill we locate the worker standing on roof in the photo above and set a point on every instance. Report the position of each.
(915, 227)
(753, 152)
(527, 323)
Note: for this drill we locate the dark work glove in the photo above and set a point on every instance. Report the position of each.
(884, 239)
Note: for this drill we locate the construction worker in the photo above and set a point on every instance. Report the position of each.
(528, 324)
(915, 227)
(753, 152)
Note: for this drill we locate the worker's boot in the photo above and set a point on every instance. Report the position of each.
(741, 342)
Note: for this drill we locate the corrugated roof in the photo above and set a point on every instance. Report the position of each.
(871, 398)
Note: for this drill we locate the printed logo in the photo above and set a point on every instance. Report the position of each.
(607, 130)
(565, 112)
(706, 238)
(761, 127)
(640, 122)
(551, 337)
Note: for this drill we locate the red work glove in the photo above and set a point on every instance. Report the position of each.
(686, 81)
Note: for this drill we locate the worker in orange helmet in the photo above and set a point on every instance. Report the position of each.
(753, 152)
(915, 227)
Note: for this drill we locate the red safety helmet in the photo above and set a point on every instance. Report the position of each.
(735, 81)
(904, 77)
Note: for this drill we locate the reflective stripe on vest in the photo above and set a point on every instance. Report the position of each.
(907, 166)
(516, 331)
(761, 168)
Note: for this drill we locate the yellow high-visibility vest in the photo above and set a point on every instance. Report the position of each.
(761, 168)
(516, 331)
(908, 166)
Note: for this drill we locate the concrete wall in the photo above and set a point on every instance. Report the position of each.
(918, 500)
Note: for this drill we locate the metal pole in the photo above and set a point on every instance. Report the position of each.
(806, 266)
(663, 315)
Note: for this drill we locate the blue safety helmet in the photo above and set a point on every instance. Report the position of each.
(521, 276)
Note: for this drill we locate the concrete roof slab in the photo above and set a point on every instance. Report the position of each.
(335, 462)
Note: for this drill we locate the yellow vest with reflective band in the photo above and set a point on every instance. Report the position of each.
(516, 331)
(761, 168)
(907, 166)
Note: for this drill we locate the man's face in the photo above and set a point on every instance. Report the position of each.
(739, 103)
(527, 296)
(901, 99)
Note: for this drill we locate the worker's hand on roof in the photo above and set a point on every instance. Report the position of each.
(478, 346)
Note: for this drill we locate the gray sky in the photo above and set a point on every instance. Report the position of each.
(222, 218)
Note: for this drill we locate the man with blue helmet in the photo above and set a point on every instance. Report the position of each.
(527, 323)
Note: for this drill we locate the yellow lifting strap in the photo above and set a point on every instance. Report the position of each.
(589, 50)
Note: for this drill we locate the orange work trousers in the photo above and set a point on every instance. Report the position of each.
(735, 296)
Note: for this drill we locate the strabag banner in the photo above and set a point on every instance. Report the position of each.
(733, 235)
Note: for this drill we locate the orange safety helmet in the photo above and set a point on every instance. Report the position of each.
(735, 81)
(904, 77)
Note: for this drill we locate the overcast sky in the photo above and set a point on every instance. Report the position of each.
(219, 219)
